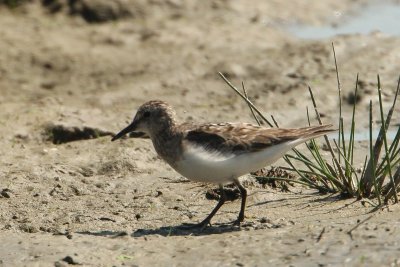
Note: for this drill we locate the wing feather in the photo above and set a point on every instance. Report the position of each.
(240, 138)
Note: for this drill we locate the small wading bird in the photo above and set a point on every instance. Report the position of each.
(215, 153)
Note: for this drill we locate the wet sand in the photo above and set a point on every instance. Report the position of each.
(97, 203)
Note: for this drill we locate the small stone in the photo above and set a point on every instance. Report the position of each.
(5, 193)
(48, 85)
(352, 98)
(95, 11)
(70, 260)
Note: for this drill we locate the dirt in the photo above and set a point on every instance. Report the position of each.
(83, 200)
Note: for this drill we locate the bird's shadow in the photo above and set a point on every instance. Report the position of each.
(173, 230)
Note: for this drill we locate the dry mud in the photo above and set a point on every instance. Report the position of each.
(65, 77)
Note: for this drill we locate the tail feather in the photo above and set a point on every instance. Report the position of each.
(316, 131)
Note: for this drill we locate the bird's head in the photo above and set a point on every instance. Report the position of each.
(151, 118)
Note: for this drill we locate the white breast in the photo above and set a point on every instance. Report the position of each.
(199, 164)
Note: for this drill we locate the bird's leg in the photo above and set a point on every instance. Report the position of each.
(221, 202)
(204, 223)
(243, 194)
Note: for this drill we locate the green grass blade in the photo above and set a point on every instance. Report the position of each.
(396, 178)
(244, 98)
(384, 127)
(276, 123)
(311, 183)
(339, 92)
(394, 152)
(350, 155)
(371, 171)
(351, 171)
(251, 109)
(368, 179)
(327, 173)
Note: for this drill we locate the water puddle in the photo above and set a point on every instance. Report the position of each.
(378, 16)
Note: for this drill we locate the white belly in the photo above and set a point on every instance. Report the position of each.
(200, 165)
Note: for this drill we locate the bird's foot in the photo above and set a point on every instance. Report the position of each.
(238, 221)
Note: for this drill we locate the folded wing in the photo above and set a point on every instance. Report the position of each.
(240, 138)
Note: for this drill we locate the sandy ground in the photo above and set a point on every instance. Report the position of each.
(96, 203)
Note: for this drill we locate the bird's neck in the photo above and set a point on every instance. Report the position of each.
(167, 142)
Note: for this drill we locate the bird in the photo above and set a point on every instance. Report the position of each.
(217, 153)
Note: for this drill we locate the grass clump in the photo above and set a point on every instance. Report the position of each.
(379, 178)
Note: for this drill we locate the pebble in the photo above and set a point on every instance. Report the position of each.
(5, 193)
(70, 260)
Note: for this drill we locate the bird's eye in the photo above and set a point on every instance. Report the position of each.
(146, 114)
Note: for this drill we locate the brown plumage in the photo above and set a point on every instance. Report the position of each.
(244, 137)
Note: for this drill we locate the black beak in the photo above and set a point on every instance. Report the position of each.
(131, 127)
